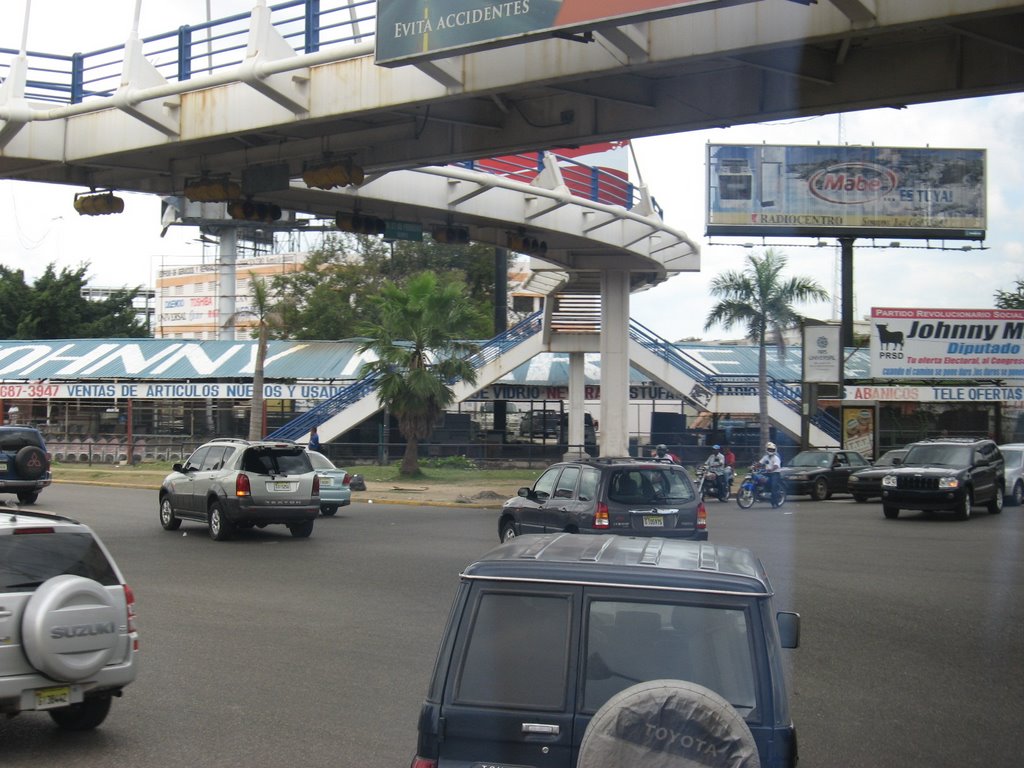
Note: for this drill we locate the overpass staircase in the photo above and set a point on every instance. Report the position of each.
(656, 357)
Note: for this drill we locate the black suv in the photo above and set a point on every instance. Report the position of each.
(549, 634)
(24, 462)
(632, 497)
(232, 483)
(949, 473)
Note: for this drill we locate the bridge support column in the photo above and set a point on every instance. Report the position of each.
(614, 363)
(227, 259)
(576, 433)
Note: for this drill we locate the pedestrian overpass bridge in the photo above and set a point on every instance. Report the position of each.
(258, 98)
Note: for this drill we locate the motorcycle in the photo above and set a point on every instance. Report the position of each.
(710, 484)
(755, 487)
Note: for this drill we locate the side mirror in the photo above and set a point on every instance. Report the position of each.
(177, 467)
(897, 461)
(789, 628)
(524, 492)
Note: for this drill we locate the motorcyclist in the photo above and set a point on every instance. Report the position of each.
(771, 464)
(716, 463)
(661, 453)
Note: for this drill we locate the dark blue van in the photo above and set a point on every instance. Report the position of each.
(547, 629)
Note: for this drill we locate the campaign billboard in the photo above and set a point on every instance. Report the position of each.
(412, 30)
(912, 343)
(846, 191)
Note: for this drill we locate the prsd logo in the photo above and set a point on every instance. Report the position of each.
(822, 342)
(852, 183)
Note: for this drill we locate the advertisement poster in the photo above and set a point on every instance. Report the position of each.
(409, 30)
(913, 343)
(846, 191)
(859, 430)
(823, 355)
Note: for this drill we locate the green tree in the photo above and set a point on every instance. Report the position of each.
(417, 341)
(329, 296)
(54, 308)
(1011, 299)
(761, 299)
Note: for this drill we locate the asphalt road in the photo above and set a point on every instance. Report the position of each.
(270, 651)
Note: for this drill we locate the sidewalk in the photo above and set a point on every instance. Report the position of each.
(411, 493)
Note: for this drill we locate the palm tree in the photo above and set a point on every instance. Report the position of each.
(761, 299)
(415, 339)
(266, 316)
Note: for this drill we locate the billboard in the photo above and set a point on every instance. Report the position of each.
(411, 30)
(909, 343)
(845, 191)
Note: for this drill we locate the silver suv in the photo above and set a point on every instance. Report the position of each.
(67, 621)
(232, 483)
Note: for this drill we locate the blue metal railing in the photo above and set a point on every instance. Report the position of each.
(308, 25)
(787, 394)
(488, 352)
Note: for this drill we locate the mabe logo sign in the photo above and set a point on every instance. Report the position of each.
(852, 183)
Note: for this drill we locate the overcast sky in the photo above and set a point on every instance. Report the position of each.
(39, 225)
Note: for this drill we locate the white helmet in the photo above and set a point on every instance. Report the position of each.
(770, 447)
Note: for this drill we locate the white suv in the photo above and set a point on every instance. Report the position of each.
(68, 642)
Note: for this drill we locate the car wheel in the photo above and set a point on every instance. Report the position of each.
(996, 505)
(820, 490)
(28, 497)
(83, 716)
(168, 519)
(667, 722)
(891, 513)
(964, 512)
(328, 510)
(220, 527)
(301, 530)
(860, 499)
(1018, 494)
(507, 532)
(745, 498)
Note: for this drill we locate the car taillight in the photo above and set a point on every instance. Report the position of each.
(129, 601)
(316, 485)
(601, 516)
(346, 479)
(38, 529)
(242, 487)
(423, 762)
(702, 516)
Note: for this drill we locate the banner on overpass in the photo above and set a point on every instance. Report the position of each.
(415, 30)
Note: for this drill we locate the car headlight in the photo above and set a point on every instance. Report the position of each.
(949, 482)
(796, 477)
(889, 481)
(854, 479)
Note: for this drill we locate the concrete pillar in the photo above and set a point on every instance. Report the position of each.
(226, 288)
(614, 363)
(576, 435)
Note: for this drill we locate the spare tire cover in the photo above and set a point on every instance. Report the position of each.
(30, 462)
(69, 630)
(667, 724)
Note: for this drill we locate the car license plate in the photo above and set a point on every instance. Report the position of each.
(654, 521)
(326, 481)
(280, 485)
(48, 698)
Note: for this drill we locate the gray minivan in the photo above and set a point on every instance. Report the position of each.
(546, 630)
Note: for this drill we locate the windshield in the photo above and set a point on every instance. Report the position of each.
(890, 458)
(1012, 456)
(812, 459)
(938, 455)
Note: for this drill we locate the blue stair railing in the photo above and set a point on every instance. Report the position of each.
(488, 352)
